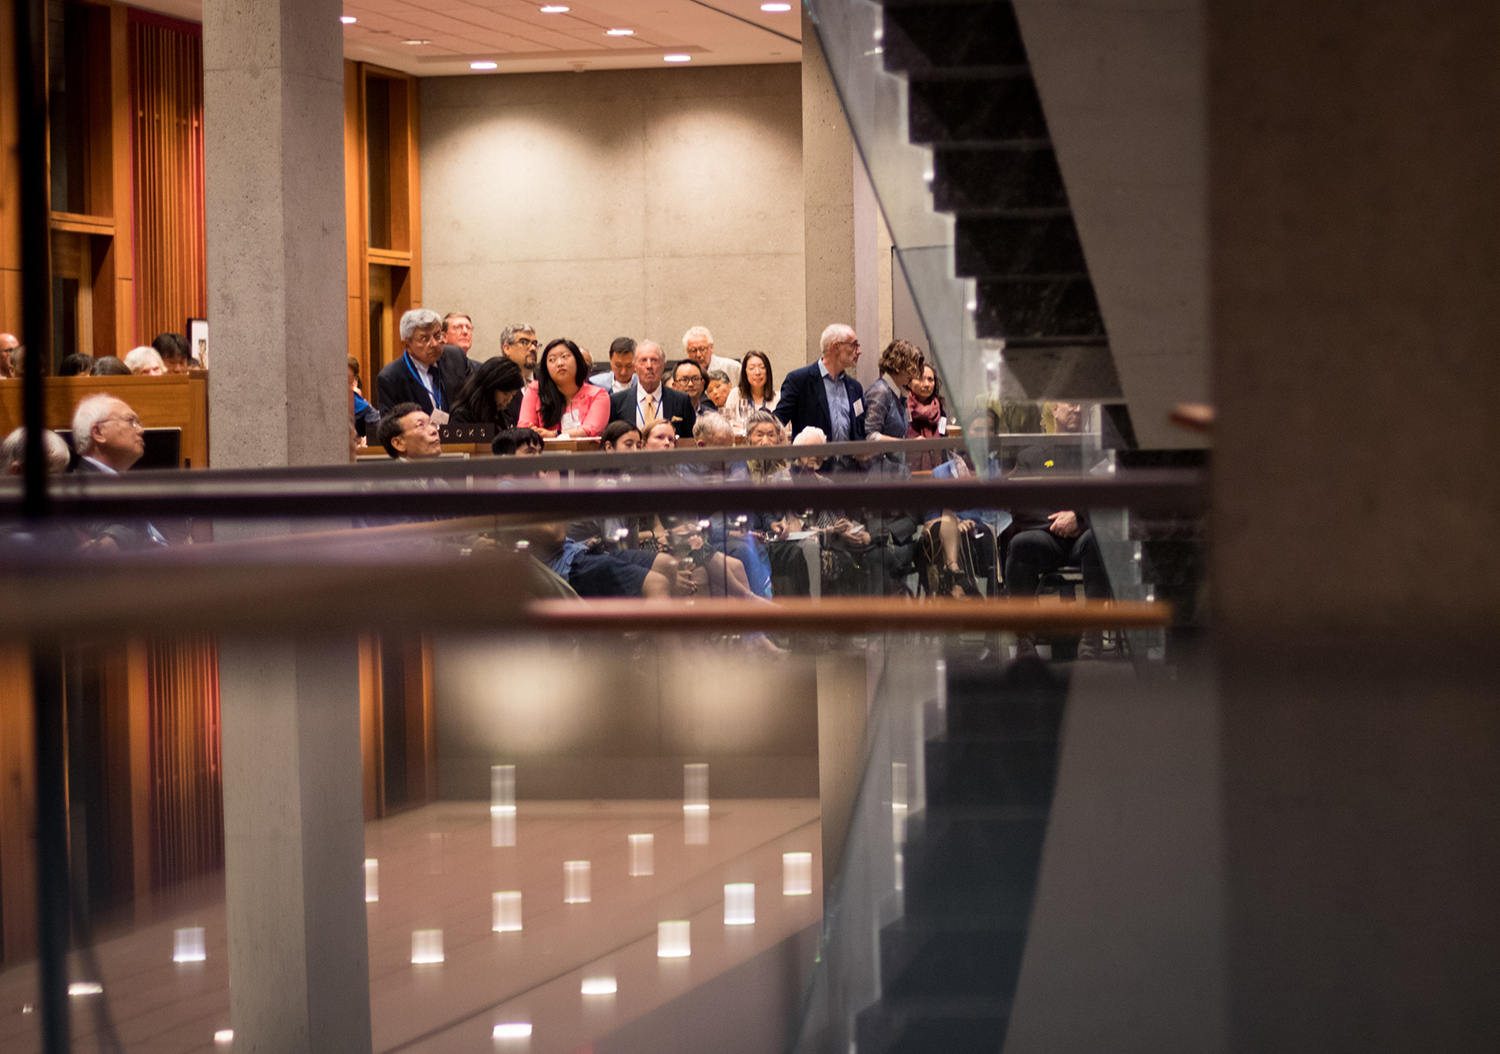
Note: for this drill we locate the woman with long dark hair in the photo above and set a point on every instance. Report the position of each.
(756, 391)
(487, 395)
(561, 401)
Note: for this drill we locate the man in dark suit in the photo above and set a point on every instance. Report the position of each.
(648, 399)
(109, 438)
(428, 372)
(825, 395)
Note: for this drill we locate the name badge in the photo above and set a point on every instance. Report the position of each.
(942, 426)
(439, 417)
(859, 406)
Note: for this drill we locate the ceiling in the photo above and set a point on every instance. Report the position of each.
(519, 38)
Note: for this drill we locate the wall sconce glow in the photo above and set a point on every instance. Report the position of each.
(775, 9)
(677, 58)
(739, 904)
(224, 1037)
(95, 988)
(600, 986)
(575, 882)
(502, 802)
(484, 65)
(372, 881)
(619, 32)
(187, 945)
(695, 800)
(426, 947)
(512, 1030)
(673, 940)
(796, 874)
(642, 855)
(507, 912)
(348, 20)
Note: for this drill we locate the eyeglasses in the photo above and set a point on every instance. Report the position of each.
(527, 342)
(129, 422)
(849, 343)
(426, 338)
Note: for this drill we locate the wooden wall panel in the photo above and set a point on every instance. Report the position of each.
(187, 802)
(10, 179)
(166, 95)
(370, 725)
(17, 808)
(160, 402)
(354, 222)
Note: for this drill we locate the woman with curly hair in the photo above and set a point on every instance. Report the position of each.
(886, 412)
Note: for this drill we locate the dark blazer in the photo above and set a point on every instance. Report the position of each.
(674, 405)
(804, 403)
(397, 383)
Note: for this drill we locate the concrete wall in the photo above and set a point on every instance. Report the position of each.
(634, 202)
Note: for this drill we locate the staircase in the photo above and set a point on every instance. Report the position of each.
(949, 966)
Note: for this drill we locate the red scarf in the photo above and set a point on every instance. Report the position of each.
(924, 416)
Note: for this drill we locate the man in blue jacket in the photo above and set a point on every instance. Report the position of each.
(825, 394)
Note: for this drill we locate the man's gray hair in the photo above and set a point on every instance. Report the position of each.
(696, 332)
(509, 333)
(836, 333)
(144, 357)
(713, 425)
(642, 344)
(718, 375)
(13, 451)
(810, 434)
(418, 318)
(90, 412)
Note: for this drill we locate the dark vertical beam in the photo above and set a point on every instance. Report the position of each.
(36, 239)
(51, 847)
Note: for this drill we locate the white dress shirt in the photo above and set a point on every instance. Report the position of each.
(640, 404)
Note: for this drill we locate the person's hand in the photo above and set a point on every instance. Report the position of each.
(546, 433)
(779, 529)
(857, 536)
(961, 469)
(685, 583)
(1063, 524)
(965, 525)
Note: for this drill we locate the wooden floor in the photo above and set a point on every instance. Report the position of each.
(438, 870)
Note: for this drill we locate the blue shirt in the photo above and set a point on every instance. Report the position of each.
(839, 410)
(562, 562)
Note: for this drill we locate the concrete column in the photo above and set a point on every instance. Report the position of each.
(274, 158)
(841, 244)
(294, 845)
(1354, 150)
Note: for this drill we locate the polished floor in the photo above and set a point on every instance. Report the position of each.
(437, 869)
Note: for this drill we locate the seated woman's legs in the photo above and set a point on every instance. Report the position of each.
(1031, 555)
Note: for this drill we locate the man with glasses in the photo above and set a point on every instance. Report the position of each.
(825, 394)
(109, 438)
(698, 346)
(458, 330)
(518, 342)
(428, 372)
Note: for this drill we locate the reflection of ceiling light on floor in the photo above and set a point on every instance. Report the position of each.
(739, 904)
(619, 32)
(600, 986)
(348, 20)
(775, 9)
(187, 945)
(415, 42)
(512, 1030)
(484, 65)
(554, 9)
(673, 940)
(85, 988)
(224, 1036)
(426, 947)
(677, 58)
(796, 872)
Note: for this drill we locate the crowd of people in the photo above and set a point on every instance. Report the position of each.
(638, 400)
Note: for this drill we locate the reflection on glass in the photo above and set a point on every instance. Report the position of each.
(91, 987)
(426, 947)
(507, 912)
(796, 874)
(224, 1037)
(642, 852)
(502, 805)
(695, 804)
(673, 940)
(600, 986)
(575, 882)
(434, 853)
(739, 903)
(187, 945)
(898, 802)
(372, 881)
(512, 1030)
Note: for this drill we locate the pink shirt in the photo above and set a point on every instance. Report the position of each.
(590, 404)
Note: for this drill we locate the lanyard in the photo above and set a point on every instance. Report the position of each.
(436, 390)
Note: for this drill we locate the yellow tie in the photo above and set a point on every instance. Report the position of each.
(650, 415)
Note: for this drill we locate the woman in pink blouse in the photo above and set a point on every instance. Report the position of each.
(561, 402)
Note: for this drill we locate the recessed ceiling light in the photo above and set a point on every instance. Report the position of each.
(677, 58)
(348, 20)
(775, 9)
(554, 9)
(484, 65)
(619, 32)
(415, 42)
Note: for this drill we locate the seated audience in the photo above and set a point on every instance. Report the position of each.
(366, 417)
(959, 545)
(698, 347)
(717, 392)
(886, 403)
(660, 435)
(13, 453)
(109, 438)
(620, 437)
(145, 362)
(518, 442)
(826, 396)
(408, 433)
(621, 368)
(625, 573)
(518, 343)
(174, 351)
(924, 404)
(648, 400)
(687, 378)
(487, 396)
(762, 429)
(611, 532)
(756, 389)
(428, 372)
(458, 331)
(8, 345)
(77, 364)
(561, 402)
(110, 366)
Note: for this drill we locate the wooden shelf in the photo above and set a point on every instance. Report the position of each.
(389, 257)
(73, 223)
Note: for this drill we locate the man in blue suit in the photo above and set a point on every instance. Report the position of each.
(825, 394)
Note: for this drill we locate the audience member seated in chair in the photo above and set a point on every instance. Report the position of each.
(109, 438)
(517, 442)
(408, 433)
(487, 396)
(958, 545)
(561, 403)
(77, 364)
(13, 453)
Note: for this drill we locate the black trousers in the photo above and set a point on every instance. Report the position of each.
(1033, 553)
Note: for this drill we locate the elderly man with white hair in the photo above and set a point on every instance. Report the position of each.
(107, 435)
(13, 452)
(428, 372)
(698, 346)
(825, 395)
